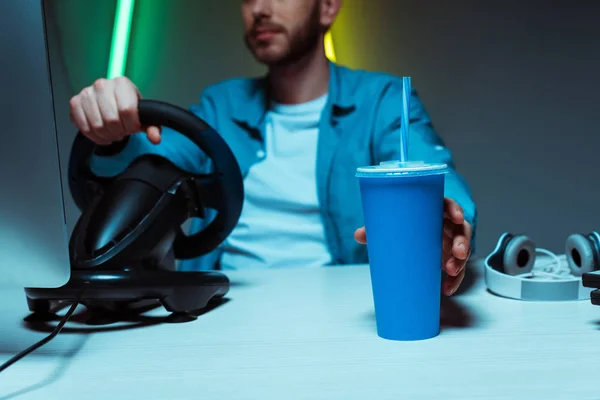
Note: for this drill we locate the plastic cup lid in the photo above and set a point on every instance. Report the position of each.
(398, 167)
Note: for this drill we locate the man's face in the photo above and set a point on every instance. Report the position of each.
(278, 32)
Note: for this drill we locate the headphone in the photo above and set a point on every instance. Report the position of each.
(514, 270)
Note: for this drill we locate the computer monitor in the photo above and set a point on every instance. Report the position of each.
(33, 228)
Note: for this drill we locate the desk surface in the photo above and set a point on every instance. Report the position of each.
(310, 334)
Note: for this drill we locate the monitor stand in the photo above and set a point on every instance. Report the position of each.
(110, 293)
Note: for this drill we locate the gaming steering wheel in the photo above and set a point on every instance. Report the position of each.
(221, 190)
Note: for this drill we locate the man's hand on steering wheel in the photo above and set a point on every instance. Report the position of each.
(107, 112)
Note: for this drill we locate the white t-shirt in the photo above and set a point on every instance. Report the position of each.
(280, 224)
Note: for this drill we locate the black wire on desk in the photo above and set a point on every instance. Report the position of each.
(48, 338)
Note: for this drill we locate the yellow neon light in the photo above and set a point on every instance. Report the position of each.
(329, 49)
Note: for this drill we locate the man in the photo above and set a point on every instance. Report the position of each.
(298, 134)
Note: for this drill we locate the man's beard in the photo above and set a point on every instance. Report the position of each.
(301, 43)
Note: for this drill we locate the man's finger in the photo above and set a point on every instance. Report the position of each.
(449, 228)
(451, 266)
(360, 235)
(453, 211)
(454, 266)
(468, 230)
(460, 247)
(447, 247)
(452, 283)
(153, 133)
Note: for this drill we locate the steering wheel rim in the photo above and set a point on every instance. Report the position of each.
(223, 189)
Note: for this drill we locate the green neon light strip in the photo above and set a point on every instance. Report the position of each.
(117, 61)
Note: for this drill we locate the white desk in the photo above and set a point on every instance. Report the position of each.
(310, 334)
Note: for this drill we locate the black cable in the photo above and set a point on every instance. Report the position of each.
(48, 338)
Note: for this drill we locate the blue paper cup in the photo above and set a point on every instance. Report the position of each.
(403, 209)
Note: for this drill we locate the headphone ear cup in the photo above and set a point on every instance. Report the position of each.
(580, 254)
(519, 256)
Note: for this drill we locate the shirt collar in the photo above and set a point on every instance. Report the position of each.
(253, 105)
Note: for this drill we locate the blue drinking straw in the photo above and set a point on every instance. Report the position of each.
(404, 119)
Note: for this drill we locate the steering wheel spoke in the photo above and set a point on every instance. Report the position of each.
(209, 190)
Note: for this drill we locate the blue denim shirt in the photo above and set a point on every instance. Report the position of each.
(360, 125)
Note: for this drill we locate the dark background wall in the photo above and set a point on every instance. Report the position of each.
(512, 86)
